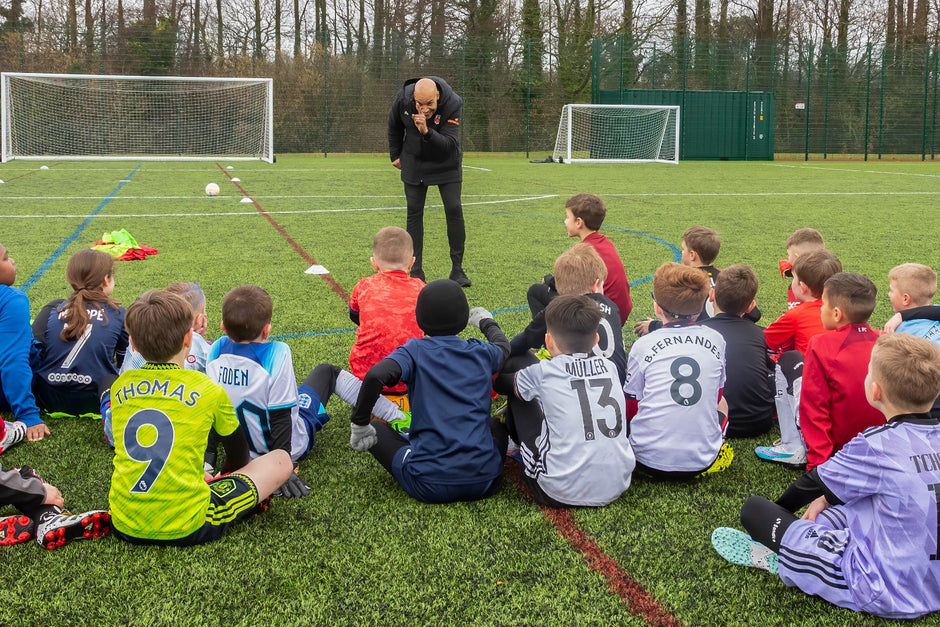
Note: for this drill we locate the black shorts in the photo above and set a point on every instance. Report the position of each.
(232, 497)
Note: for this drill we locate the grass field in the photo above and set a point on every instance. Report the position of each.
(358, 551)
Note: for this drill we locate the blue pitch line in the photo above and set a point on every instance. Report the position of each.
(677, 254)
(31, 281)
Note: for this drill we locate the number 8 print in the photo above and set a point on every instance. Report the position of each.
(154, 454)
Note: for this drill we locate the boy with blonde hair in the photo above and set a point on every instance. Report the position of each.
(580, 271)
(383, 305)
(867, 541)
(674, 381)
(198, 352)
(912, 288)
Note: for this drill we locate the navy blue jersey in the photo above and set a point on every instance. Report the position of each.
(78, 366)
(450, 382)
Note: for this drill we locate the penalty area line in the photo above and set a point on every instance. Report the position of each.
(336, 287)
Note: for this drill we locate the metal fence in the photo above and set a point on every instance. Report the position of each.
(881, 103)
(870, 103)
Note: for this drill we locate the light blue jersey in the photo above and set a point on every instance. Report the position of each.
(927, 329)
(259, 379)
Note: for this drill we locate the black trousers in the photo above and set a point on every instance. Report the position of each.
(415, 196)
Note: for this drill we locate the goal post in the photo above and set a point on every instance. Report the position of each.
(110, 117)
(617, 134)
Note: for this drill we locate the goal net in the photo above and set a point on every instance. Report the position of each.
(618, 134)
(81, 116)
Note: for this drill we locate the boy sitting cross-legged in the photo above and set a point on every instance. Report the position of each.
(456, 450)
(383, 305)
(258, 376)
(584, 216)
(567, 412)
(868, 540)
(832, 397)
(581, 271)
(162, 416)
(787, 338)
(674, 381)
(749, 389)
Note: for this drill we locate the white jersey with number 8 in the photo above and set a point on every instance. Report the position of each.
(675, 373)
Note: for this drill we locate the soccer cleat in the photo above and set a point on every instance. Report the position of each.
(15, 433)
(418, 273)
(458, 276)
(723, 461)
(513, 451)
(55, 530)
(738, 548)
(780, 454)
(15, 529)
(402, 425)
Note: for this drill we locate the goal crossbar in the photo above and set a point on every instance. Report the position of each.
(113, 117)
(617, 134)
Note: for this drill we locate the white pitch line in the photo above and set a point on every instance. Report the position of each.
(255, 213)
(817, 167)
(200, 198)
(734, 194)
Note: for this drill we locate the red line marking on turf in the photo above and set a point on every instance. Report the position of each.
(640, 601)
(328, 278)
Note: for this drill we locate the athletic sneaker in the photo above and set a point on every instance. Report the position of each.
(458, 276)
(15, 529)
(780, 454)
(738, 548)
(16, 433)
(55, 530)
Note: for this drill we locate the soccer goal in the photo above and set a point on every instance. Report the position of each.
(617, 134)
(84, 116)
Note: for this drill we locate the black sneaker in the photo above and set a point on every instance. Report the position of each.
(418, 273)
(458, 276)
(55, 530)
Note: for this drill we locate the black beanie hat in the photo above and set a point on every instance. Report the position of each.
(442, 308)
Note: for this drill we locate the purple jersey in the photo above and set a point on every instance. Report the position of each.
(877, 552)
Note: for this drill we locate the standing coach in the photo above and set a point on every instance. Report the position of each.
(424, 143)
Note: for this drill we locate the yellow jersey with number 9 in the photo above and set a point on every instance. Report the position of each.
(161, 415)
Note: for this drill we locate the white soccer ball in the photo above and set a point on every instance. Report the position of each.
(212, 189)
(43, 167)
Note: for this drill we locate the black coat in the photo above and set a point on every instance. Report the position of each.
(429, 159)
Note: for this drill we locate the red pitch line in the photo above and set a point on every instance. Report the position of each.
(336, 287)
(640, 601)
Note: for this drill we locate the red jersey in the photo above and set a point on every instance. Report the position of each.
(385, 303)
(833, 408)
(616, 286)
(795, 327)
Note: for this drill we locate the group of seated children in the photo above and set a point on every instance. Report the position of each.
(583, 419)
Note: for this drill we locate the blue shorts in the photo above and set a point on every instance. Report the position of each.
(431, 492)
(231, 498)
(312, 412)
